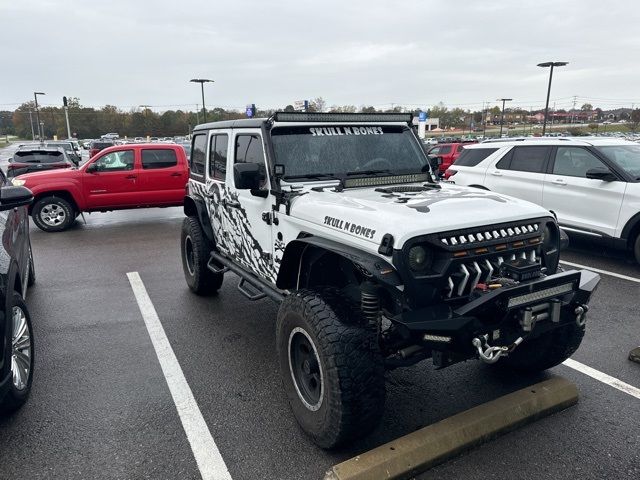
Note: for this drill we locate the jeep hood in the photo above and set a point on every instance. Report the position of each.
(368, 214)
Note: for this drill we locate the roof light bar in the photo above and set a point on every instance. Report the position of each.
(341, 117)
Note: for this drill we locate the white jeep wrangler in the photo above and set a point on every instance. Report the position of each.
(375, 265)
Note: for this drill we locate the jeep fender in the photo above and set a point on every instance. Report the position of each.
(368, 264)
(195, 206)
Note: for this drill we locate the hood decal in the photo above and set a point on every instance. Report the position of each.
(424, 200)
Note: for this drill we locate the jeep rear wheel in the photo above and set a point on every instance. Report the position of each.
(332, 370)
(546, 351)
(195, 249)
(53, 214)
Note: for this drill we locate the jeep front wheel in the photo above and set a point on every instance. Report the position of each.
(53, 214)
(195, 249)
(332, 370)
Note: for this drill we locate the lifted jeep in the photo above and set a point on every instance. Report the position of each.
(375, 265)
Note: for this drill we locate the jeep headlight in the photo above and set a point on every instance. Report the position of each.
(17, 182)
(420, 259)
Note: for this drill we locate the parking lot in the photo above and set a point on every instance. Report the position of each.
(101, 406)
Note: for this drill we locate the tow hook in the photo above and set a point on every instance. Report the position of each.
(581, 314)
(489, 354)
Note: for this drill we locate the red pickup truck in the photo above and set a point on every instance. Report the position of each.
(120, 177)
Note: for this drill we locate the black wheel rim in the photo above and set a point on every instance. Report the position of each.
(305, 368)
(189, 257)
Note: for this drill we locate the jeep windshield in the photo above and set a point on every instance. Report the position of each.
(323, 152)
(627, 157)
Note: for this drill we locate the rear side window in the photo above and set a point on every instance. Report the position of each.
(444, 149)
(525, 159)
(198, 154)
(470, 157)
(153, 159)
(218, 157)
(39, 157)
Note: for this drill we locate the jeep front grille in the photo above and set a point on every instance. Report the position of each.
(506, 233)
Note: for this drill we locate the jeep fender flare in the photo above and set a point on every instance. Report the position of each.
(195, 206)
(370, 265)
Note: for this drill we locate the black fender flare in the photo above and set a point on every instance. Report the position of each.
(630, 227)
(195, 206)
(372, 266)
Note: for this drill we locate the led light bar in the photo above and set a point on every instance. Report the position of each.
(436, 338)
(375, 181)
(341, 117)
(540, 295)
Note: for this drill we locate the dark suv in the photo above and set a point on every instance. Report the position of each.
(16, 274)
(98, 145)
(36, 159)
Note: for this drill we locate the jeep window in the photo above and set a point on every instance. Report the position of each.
(218, 157)
(115, 161)
(311, 151)
(470, 157)
(153, 159)
(525, 159)
(627, 157)
(575, 161)
(249, 150)
(198, 154)
(39, 156)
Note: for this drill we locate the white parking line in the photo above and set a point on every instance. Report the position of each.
(205, 451)
(606, 272)
(603, 377)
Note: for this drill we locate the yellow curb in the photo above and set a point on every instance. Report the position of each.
(431, 445)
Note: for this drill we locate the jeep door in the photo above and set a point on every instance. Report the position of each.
(250, 242)
(586, 204)
(113, 183)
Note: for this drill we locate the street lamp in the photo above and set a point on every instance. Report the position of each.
(202, 81)
(40, 130)
(546, 108)
(503, 100)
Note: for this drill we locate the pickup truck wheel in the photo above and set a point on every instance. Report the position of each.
(546, 351)
(53, 214)
(636, 248)
(21, 342)
(332, 370)
(195, 248)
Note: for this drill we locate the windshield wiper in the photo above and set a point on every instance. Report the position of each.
(367, 172)
(310, 176)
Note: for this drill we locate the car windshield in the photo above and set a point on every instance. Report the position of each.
(627, 157)
(41, 156)
(340, 150)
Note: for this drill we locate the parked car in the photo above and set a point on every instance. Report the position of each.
(447, 154)
(36, 159)
(592, 185)
(16, 276)
(120, 177)
(98, 145)
(72, 151)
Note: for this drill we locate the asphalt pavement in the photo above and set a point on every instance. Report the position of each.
(100, 406)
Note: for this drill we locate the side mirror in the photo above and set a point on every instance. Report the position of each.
(247, 176)
(92, 168)
(603, 174)
(12, 197)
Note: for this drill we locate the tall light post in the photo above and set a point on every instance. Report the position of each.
(546, 108)
(40, 129)
(202, 81)
(503, 100)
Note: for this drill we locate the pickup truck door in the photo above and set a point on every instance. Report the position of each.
(162, 177)
(114, 182)
(247, 214)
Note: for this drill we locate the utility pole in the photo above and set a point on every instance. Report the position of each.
(574, 108)
(484, 120)
(33, 135)
(503, 100)
(40, 127)
(66, 116)
(202, 81)
(546, 108)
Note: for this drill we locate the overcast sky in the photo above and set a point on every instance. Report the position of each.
(270, 53)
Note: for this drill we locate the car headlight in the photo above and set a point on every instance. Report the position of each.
(17, 182)
(420, 259)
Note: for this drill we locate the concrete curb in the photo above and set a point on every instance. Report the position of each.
(436, 443)
(634, 355)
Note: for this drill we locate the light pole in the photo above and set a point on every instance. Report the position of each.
(546, 108)
(40, 130)
(202, 81)
(503, 100)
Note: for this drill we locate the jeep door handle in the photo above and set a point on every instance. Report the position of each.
(496, 173)
(558, 181)
(230, 203)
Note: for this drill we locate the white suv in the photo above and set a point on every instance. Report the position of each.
(592, 185)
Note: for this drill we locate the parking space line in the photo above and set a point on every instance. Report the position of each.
(606, 272)
(603, 377)
(205, 450)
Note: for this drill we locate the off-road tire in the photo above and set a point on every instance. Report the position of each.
(14, 397)
(66, 209)
(636, 248)
(352, 399)
(195, 250)
(546, 351)
(32, 269)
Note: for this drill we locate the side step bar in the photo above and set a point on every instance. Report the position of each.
(257, 290)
